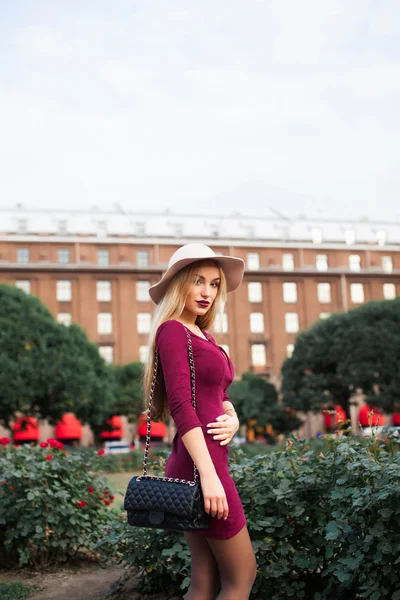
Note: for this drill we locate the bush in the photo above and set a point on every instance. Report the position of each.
(52, 504)
(116, 463)
(324, 524)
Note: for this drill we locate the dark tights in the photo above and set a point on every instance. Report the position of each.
(224, 566)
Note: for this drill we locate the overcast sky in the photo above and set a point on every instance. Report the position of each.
(201, 105)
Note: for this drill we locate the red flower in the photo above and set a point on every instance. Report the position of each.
(55, 443)
(111, 498)
(100, 452)
(49, 457)
(106, 493)
(43, 444)
(81, 503)
(91, 489)
(4, 441)
(107, 502)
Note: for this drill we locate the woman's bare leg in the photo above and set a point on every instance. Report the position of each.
(204, 583)
(236, 564)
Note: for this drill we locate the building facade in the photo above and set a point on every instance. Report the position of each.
(94, 268)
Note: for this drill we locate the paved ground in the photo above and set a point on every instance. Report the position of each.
(86, 582)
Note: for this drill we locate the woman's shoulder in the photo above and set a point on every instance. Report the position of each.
(170, 327)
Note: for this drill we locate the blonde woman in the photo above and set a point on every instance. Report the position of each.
(190, 295)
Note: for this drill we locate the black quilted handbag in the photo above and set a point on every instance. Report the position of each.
(165, 502)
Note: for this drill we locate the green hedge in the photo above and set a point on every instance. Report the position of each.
(324, 525)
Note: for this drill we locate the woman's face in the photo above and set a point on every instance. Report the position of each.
(203, 290)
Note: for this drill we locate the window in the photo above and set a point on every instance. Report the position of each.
(324, 315)
(62, 226)
(103, 291)
(104, 323)
(143, 353)
(142, 291)
(258, 355)
(354, 262)
(381, 237)
(214, 229)
(316, 235)
(255, 291)
(389, 291)
(63, 256)
(256, 322)
(64, 291)
(103, 257)
(322, 262)
(178, 229)
(357, 293)
(143, 322)
(226, 348)
(22, 225)
(24, 285)
(387, 264)
(349, 236)
(217, 323)
(142, 258)
(289, 350)
(289, 292)
(291, 322)
(64, 318)
(288, 262)
(107, 352)
(140, 228)
(253, 260)
(101, 228)
(324, 292)
(22, 255)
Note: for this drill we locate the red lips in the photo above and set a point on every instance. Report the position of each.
(204, 304)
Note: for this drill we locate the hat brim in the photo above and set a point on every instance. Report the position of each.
(232, 267)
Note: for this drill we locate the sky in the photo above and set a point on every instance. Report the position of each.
(209, 106)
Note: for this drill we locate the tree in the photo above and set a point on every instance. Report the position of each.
(357, 349)
(256, 403)
(129, 389)
(47, 369)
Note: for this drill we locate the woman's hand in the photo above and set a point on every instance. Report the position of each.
(224, 428)
(215, 502)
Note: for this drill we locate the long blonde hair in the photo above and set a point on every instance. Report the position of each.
(171, 307)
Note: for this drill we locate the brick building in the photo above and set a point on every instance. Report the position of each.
(94, 267)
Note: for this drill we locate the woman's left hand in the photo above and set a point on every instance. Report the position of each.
(223, 428)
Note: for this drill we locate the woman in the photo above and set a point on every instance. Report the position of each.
(190, 295)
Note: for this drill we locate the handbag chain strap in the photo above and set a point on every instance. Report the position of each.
(152, 388)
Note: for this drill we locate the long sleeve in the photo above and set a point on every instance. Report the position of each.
(172, 346)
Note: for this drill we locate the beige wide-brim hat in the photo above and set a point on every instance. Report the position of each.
(232, 267)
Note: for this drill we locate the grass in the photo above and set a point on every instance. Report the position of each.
(119, 483)
(15, 590)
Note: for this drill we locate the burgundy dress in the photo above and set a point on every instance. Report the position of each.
(214, 374)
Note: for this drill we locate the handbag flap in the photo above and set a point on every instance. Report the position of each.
(161, 496)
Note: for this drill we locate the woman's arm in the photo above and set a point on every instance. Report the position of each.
(213, 492)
